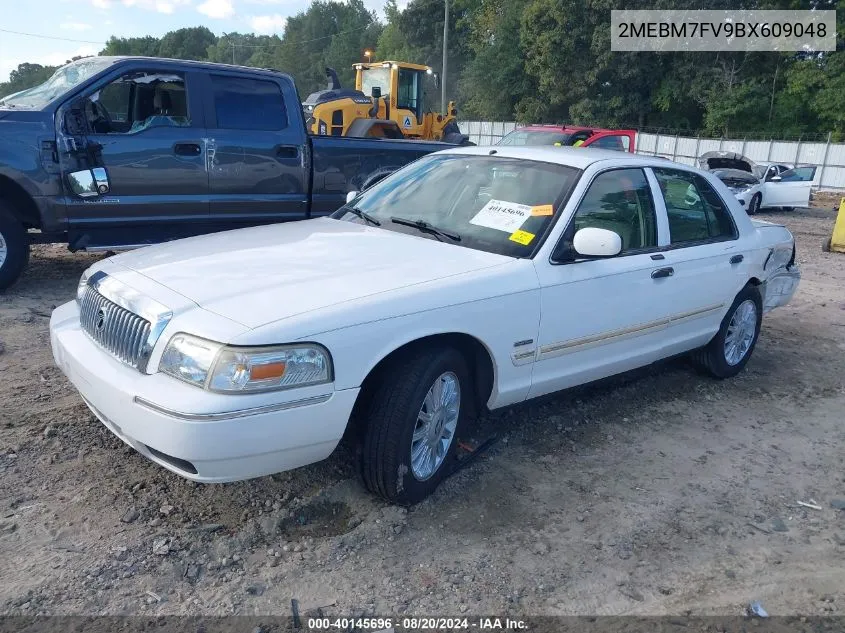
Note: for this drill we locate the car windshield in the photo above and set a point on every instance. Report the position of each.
(525, 137)
(63, 79)
(494, 204)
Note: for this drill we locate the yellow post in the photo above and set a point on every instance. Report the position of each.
(837, 241)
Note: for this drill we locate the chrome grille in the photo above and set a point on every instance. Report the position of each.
(120, 332)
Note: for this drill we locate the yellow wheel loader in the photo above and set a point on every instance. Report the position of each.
(389, 100)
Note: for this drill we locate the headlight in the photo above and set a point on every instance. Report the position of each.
(80, 287)
(220, 368)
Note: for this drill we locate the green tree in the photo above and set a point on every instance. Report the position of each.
(494, 80)
(141, 46)
(244, 49)
(25, 76)
(189, 43)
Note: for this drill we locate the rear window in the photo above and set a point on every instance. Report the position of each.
(248, 104)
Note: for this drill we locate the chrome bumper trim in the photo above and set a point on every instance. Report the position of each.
(228, 415)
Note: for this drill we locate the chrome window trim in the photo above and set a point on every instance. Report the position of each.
(229, 415)
(133, 301)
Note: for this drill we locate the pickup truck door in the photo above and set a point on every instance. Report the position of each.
(600, 317)
(258, 162)
(790, 188)
(141, 131)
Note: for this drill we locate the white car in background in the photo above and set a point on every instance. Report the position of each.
(472, 279)
(761, 186)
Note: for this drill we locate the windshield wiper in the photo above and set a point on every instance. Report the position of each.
(425, 227)
(363, 215)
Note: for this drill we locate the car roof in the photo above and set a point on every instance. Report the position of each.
(578, 157)
(191, 63)
(567, 128)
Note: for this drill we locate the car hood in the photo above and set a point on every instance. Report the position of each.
(725, 160)
(263, 274)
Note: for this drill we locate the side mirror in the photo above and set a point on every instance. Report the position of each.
(376, 92)
(351, 196)
(82, 183)
(88, 183)
(595, 242)
(775, 179)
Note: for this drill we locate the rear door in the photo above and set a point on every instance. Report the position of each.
(790, 188)
(256, 150)
(704, 257)
(144, 130)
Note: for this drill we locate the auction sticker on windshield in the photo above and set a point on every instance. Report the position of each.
(502, 215)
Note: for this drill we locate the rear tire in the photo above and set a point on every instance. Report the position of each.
(728, 353)
(788, 208)
(395, 424)
(14, 247)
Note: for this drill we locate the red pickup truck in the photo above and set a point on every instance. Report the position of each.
(620, 140)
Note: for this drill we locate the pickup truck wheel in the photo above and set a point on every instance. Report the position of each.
(729, 351)
(14, 249)
(414, 416)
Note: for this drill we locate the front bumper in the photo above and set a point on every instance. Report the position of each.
(201, 436)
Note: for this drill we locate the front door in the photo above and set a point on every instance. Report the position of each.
(604, 316)
(790, 188)
(145, 132)
(256, 151)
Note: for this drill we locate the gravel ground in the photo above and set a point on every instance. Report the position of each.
(658, 492)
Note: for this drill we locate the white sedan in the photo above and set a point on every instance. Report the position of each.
(761, 186)
(472, 279)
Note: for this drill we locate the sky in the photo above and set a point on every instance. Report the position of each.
(89, 23)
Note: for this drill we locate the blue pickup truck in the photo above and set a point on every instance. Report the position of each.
(118, 152)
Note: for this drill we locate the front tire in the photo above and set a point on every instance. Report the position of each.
(754, 205)
(729, 351)
(412, 421)
(14, 247)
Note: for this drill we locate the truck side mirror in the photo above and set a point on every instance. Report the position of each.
(376, 92)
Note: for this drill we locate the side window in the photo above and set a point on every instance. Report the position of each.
(696, 212)
(799, 174)
(617, 141)
(620, 201)
(248, 104)
(138, 101)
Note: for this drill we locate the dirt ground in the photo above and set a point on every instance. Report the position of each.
(659, 492)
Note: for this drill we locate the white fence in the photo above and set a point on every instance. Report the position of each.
(829, 157)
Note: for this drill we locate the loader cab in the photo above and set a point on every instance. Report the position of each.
(405, 86)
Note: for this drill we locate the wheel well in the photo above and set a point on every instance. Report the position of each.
(21, 203)
(754, 281)
(479, 363)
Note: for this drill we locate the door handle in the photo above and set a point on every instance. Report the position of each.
(187, 149)
(736, 259)
(287, 151)
(662, 272)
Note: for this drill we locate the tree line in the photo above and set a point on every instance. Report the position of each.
(538, 61)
